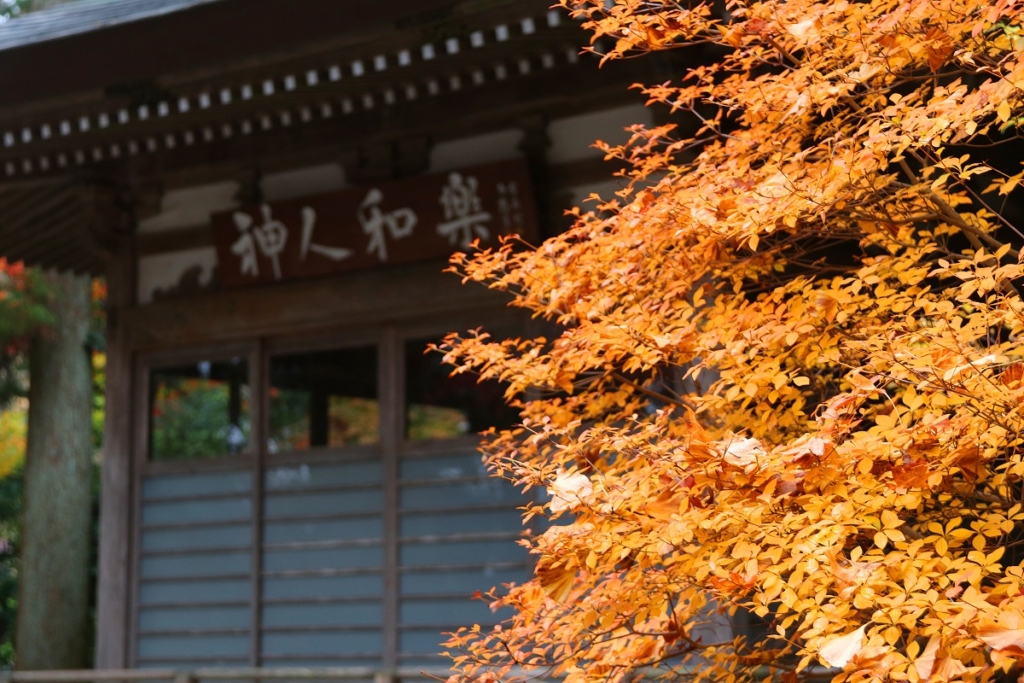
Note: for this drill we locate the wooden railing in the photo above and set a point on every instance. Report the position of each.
(220, 674)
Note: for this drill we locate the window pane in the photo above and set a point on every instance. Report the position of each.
(324, 398)
(438, 406)
(199, 410)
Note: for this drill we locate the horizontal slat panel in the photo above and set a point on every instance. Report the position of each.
(432, 554)
(164, 619)
(336, 474)
(488, 491)
(421, 642)
(357, 585)
(193, 646)
(324, 530)
(283, 662)
(186, 662)
(353, 614)
(433, 489)
(437, 665)
(283, 507)
(338, 558)
(170, 485)
(201, 538)
(322, 643)
(482, 521)
(449, 612)
(186, 566)
(442, 466)
(457, 582)
(195, 527)
(227, 509)
(296, 634)
(195, 591)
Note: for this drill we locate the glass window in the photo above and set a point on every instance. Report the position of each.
(323, 398)
(440, 406)
(200, 410)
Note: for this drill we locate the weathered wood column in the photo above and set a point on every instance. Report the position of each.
(113, 583)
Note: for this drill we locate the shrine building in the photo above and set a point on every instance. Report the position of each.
(272, 189)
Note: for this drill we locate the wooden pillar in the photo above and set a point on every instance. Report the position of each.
(114, 582)
(534, 147)
(319, 416)
(390, 391)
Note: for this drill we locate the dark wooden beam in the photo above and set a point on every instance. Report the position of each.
(201, 36)
(561, 91)
(364, 298)
(178, 239)
(372, 82)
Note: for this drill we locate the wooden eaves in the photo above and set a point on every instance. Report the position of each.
(96, 124)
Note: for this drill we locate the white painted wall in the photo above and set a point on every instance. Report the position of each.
(164, 271)
(191, 206)
(182, 208)
(572, 138)
(479, 149)
(303, 181)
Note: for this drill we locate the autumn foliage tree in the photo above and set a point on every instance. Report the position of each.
(787, 379)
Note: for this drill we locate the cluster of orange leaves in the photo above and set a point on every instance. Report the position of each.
(784, 381)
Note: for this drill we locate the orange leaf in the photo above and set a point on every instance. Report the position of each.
(1012, 375)
(557, 581)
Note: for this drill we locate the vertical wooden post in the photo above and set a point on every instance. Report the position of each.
(113, 589)
(390, 396)
(259, 385)
(319, 416)
(534, 146)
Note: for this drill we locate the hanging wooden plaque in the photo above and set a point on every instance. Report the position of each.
(401, 221)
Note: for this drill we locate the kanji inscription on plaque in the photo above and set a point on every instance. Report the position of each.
(401, 221)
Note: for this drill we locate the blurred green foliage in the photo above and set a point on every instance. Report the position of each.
(191, 418)
(12, 8)
(10, 531)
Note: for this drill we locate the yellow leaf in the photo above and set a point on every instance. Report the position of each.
(839, 651)
(890, 519)
(1003, 111)
(1005, 634)
(925, 664)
